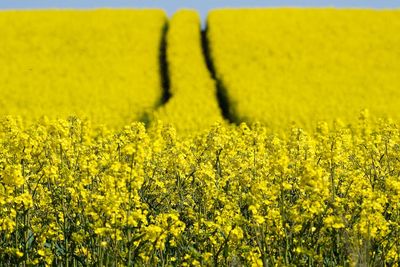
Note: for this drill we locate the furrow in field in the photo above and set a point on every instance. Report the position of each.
(193, 104)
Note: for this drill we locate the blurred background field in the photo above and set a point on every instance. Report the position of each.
(283, 66)
(274, 66)
(101, 64)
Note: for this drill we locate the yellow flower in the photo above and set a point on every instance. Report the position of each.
(41, 252)
(12, 175)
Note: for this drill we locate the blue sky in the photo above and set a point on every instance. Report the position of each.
(201, 5)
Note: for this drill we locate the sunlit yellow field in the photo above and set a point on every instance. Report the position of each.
(130, 139)
(103, 64)
(280, 66)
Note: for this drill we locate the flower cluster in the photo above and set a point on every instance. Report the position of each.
(76, 195)
(305, 65)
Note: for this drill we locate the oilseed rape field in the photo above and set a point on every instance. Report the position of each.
(269, 138)
(52, 67)
(303, 66)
